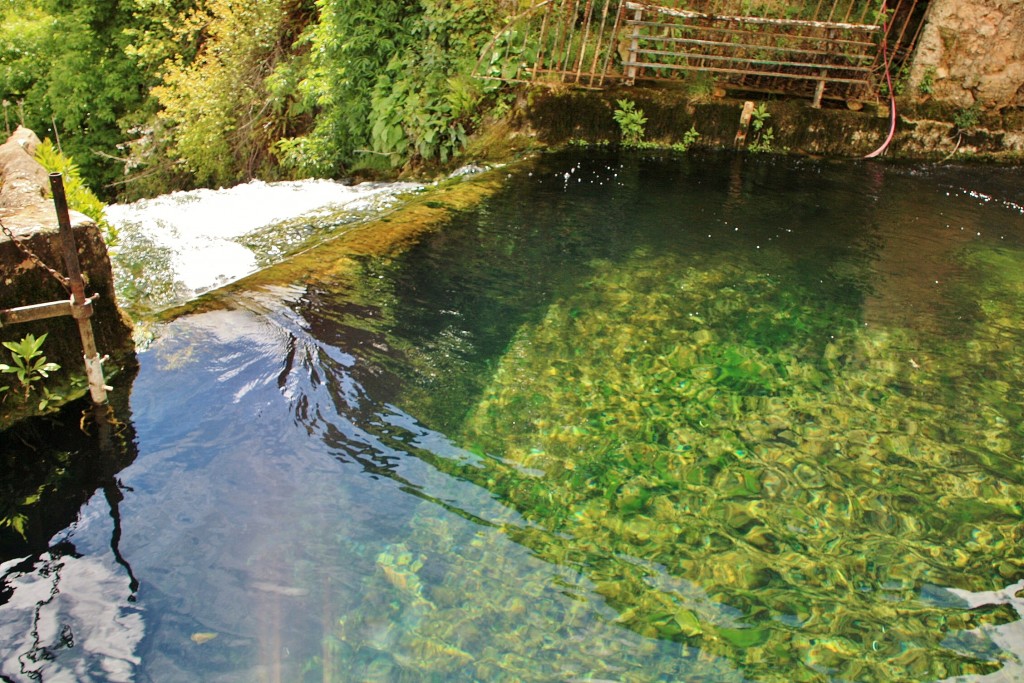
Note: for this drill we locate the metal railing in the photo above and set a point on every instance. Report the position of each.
(820, 49)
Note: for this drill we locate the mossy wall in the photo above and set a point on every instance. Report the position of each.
(925, 130)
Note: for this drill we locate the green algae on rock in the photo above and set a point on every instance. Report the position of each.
(659, 421)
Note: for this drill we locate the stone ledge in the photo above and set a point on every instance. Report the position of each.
(28, 212)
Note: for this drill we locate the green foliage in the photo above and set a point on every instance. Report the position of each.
(228, 106)
(65, 69)
(23, 36)
(899, 82)
(700, 86)
(80, 198)
(631, 122)
(927, 84)
(26, 482)
(152, 95)
(30, 368)
(763, 137)
(690, 138)
(968, 118)
(389, 83)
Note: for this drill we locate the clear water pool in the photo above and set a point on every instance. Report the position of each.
(634, 418)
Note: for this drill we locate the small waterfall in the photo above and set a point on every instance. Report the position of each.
(176, 246)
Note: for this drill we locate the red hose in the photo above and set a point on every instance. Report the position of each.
(892, 94)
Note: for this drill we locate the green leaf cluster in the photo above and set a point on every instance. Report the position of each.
(30, 367)
(65, 75)
(80, 197)
(763, 137)
(224, 108)
(153, 95)
(631, 122)
(390, 83)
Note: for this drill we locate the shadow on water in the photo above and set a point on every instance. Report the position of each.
(53, 464)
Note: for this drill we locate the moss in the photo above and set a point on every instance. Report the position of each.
(336, 258)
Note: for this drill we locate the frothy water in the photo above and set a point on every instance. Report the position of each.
(178, 245)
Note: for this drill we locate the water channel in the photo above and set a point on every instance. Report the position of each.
(634, 417)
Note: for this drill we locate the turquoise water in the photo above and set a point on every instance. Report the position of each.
(635, 418)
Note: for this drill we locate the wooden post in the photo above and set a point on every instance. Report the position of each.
(745, 117)
(819, 90)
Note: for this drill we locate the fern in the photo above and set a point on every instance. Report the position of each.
(80, 197)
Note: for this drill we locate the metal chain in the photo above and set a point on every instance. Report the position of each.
(65, 283)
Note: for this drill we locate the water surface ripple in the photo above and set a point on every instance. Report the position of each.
(634, 418)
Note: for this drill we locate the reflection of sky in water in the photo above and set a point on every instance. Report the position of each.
(238, 526)
(1009, 637)
(69, 618)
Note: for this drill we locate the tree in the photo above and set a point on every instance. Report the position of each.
(71, 79)
(228, 105)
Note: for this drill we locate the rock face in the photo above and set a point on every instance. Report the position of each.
(28, 213)
(972, 52)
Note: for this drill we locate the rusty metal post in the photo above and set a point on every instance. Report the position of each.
(81, 307)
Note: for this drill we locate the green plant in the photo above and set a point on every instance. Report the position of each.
(927, 83)
(631, 122)
(968, 118)
(80, 197)
(389, 83)
(30, 367)
(700, 86)
(689, 138)
(763, 137)
(899, 82)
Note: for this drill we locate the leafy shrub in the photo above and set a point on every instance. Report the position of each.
(80, 197)
(763, 137)
(690, 137)
(968, 118)
(389, 85)
(30, 368)
(631, 122)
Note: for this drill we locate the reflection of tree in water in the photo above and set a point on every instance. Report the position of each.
(61, 611)
(53, 464)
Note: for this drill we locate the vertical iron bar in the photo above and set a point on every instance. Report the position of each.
(587, 11)
(913, 39)
(864, 13)
(81, 308)
(570, 28)
(542, 47)
(613, 41)
(600, 42)
(817, 11)
(849, 11)
(526, 44)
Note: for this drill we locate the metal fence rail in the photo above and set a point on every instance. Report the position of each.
(750, 50)
(820, 49)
